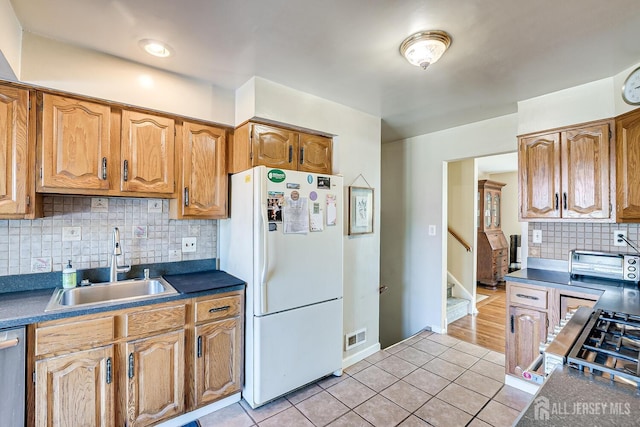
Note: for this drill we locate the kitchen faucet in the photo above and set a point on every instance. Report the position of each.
(117, 251)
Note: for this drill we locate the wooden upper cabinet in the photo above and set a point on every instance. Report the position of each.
(539, 169)
(566, 174)
(255, 144)
(147, 153)
(15, 154)
(74, 152)
(274, 147)
(585, 172)
(202, 191)
(315, 153)
(628, 167)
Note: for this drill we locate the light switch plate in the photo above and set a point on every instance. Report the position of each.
(175, 255)
(432, 230)
(537, 236)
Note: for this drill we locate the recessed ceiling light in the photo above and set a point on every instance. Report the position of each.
(156, 48)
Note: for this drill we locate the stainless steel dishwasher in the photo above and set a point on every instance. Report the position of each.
(12, 377)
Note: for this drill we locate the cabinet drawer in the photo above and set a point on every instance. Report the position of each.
(218, 308)
(74, 335)
(151, 321)
(527, 296)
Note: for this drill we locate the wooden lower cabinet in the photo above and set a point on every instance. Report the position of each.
(218, 360)
(154, 378)
(75, 389)
(131, 367)
(527, 329)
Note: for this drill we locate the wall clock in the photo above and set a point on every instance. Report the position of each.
(631, 88)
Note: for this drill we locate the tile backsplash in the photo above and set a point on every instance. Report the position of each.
(558, 238)
(72, 229)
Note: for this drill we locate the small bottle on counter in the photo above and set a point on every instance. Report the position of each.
(69, 276)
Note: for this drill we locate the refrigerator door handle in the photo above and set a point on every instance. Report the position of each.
(264, 227)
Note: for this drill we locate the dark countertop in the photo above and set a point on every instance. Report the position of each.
(613, 295)
(570, 397)
(573, 398)
(25, 307)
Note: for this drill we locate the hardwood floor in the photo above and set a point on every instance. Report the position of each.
(488, 327)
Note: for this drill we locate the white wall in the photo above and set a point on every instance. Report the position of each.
(413, 172)
(462, 189)
(356, 152)
(10, 42)
(60, 66)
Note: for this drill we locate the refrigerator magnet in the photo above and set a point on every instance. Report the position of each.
(313, 196)
(310, 179)
(324, 182)
(315, 218)
(293, 186)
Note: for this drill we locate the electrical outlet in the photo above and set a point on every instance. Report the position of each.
(188, 244)
(617, 241)
(537, 236)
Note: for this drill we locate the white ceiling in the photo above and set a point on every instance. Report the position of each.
(346, 51)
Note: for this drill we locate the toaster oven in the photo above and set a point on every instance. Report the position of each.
(604, 265)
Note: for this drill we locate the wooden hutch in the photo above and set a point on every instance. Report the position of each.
(492, 247)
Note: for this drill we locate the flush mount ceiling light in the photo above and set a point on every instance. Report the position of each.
(155, 48)
(424, 48)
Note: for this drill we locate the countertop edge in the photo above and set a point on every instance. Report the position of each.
(41, 298)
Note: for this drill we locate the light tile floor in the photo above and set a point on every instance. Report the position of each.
(426, 380)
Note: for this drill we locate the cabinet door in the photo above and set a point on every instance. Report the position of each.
(218, 360)
(273, 147)
(14, 154)
(75, 389)
(204, 175)
(315, 154)
(74, 152)
(539, 166)
(154, 377)
(527, 329)
(628, 167)
(147, 151)
(585, 172)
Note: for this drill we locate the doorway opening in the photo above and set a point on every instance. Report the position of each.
(476, 313)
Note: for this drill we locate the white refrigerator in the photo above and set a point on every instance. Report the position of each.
(284, 237)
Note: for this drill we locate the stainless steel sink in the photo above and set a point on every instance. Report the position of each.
(105, 293)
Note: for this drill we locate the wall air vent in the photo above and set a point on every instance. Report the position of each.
(355, 338)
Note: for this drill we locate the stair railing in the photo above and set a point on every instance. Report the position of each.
(460, 239)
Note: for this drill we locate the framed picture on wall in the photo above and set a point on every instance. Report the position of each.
(360, 210)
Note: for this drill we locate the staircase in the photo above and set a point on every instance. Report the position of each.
(456, 307)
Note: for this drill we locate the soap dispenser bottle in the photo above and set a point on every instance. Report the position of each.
(69, 276)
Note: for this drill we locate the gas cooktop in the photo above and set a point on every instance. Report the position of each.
(609, 346)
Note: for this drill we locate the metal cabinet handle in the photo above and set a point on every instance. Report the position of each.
(109, 370)
(9, 343)
(125, 174)
(216, 309)
(564, 200)
(186, 196)
(512, 324)
(557, 201)
(104, 168)
(302, 155)
(290, 153)
(527, 297)
(130, 365)
(199, 351)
